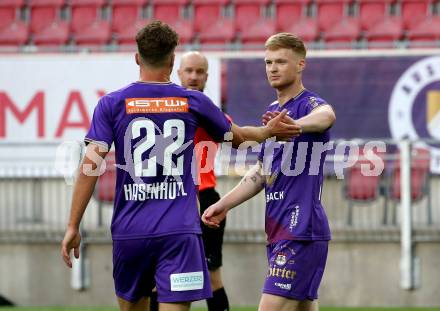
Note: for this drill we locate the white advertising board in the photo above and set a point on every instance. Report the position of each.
(48, 99)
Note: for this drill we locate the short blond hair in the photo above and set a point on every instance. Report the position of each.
(285, 40)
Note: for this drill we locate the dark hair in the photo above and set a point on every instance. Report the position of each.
(285, 40)
(156, 43)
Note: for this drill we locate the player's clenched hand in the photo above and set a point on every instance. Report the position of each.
(214, 215)
(72, 240)
(283, 127)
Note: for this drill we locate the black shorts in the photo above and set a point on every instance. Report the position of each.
(212, 238)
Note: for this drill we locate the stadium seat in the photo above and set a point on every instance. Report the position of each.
(259, 32)
(330, 12)
(211, 24)
(11, 4)
(306, 29)
(385, 32)
(372, 12)
(46, 25)
(16, 33)
(347, 30)
(85, 13)
(43, 13)
(221, 32)
(98, 33)
(13, 32)
(57, 33)
(125, 13)
(84, 3)
(207, 12)
(127, 35)
(414, 11)
(420, 171)
(170, 12)
(248, 12)
(87, 26)
(289, 12)
(426, 31)
(254, 27)
(420, 167)
(9, 12)
(185, 29)
(359, 188)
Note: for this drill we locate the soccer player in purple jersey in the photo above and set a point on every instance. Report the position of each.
(292, 176)
(193, 74)
(155, 225)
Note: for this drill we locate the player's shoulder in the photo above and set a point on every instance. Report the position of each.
(312, 99)
(117, 95)
(190, 93)
(195, 94)
(196, 97)
(135, 88)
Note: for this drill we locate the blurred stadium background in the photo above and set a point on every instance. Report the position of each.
(377, 62)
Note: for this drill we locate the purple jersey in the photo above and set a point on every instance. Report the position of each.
(152, 126)
(294, 183)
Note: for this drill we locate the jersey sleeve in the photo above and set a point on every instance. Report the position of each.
(210, 117)
(101, 130)
(312, 103)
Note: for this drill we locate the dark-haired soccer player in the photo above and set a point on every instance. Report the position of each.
(296, 224)
(155, 225)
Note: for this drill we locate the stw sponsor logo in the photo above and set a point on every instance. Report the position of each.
(156, 105)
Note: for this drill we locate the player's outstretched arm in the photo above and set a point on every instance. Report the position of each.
(82, 192)
(318, 120)
(249, 186)
(281, 126)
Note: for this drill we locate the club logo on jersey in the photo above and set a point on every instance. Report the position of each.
(281, 259)
(313, 102)
(414, 108)
(156, 105)
(283, 247)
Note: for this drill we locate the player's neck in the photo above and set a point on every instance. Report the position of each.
(286, 94)
(160, 75)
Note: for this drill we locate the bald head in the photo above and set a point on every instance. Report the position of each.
(193, 71)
